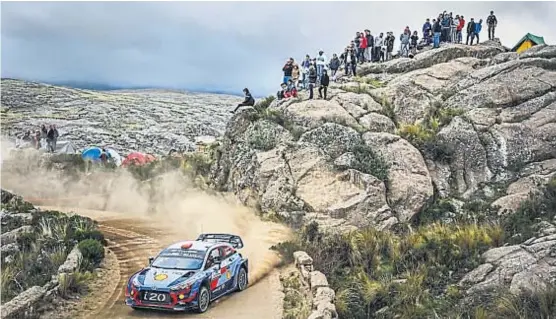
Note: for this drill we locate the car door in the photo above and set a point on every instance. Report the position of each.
(214, 271)
(228, 266)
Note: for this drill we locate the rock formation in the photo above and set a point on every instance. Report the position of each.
(356, 159)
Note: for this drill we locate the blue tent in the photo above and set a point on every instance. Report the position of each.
(92, 154)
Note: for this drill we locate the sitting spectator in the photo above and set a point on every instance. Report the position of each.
(414, 41)
(324, 81)
(291, 90)
(282, 93)
(248, 101)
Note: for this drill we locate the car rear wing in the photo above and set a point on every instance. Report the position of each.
(234, 240)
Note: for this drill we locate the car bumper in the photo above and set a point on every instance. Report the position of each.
(187, 302)
(179, 306)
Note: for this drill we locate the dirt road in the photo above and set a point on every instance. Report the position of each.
(133, 240)
(141, 218)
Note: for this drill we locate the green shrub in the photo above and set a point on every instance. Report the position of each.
(538, 207)
(95, 234)
(369, 162)
(92, 250)
(263, 104)
(262, 137)
(73, 283)
(410, 275)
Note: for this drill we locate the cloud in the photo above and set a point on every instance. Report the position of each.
(218, 46)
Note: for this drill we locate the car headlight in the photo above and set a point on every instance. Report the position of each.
(181, 286)
(135, 282)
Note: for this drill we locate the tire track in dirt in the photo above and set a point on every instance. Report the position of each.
(133, 241)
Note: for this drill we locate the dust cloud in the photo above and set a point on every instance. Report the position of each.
(168, 202)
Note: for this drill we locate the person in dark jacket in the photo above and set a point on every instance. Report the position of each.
(389, 44)
(324, 81)
(414, 41)
(427, 28)
(288, 68)
(51, 138)
(282, 93)
(312, 80)
(370, 45)
(437, 31)
(248, 101)
(470, 31)
(491, 22)
(334, 64)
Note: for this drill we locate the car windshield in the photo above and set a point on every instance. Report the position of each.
(185, 259)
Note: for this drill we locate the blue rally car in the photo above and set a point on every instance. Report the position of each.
(189, 275)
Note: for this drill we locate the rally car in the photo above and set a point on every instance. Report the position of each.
(189, 275)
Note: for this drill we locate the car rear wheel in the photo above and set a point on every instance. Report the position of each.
(242, 279)
(203, 299)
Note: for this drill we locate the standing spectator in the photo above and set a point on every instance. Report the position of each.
(344, 58)
(295, 74)
(454, 28)
(445, 22)
(305, 69)
(478, 27)
(389, 42)
(427, 28)
(362, 47)
(248, 101)
(321, 63)
(460, 28)
(50, 136)
(357, 43)
(324, 81)
(491, 22)
(37, 139)
(437, 30)
(414, 41)
(334, 65)
(470, 31)
(43, 131)
(404, 39)
(370, 45)
(288, 68)
(378, 44)
(312, 80)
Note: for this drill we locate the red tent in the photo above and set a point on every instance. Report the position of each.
(137, 158)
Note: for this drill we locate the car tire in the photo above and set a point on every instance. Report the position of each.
(203, 299)
(242, 279)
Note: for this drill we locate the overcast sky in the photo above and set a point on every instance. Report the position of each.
(215, 46)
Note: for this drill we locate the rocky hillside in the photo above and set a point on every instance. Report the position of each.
(153, 121)
(438, 171)
(459, 122)
(46, 257)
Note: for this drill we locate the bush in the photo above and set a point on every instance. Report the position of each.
(538, 207)
(73, 283)
(264, 103)
(262, 137)
(369, 162)
(92, 250)
(406, 276)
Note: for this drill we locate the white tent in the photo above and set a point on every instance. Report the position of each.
(117, 158)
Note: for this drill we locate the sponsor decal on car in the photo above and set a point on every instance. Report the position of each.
(160, 277)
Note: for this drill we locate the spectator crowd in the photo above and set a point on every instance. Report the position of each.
(366, 47)
(49, 135)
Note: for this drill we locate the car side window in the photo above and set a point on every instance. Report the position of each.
(227, 252)
(210, 260)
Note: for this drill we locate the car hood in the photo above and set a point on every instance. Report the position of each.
(164, 278)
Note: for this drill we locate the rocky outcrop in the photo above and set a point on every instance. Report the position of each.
(151, 121)
(321, 296)
(530, 266)
(490, 115)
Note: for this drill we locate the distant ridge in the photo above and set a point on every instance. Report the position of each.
(107, 87)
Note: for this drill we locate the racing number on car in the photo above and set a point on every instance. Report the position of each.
(153, 296)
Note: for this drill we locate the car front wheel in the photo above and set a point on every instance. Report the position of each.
(242, 279)
(203, 299)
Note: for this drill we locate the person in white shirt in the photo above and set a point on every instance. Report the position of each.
(322, 61)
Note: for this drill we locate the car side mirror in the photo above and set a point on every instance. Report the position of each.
(151, 259)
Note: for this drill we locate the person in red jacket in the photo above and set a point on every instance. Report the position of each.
(459, 28)
(362, 47)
